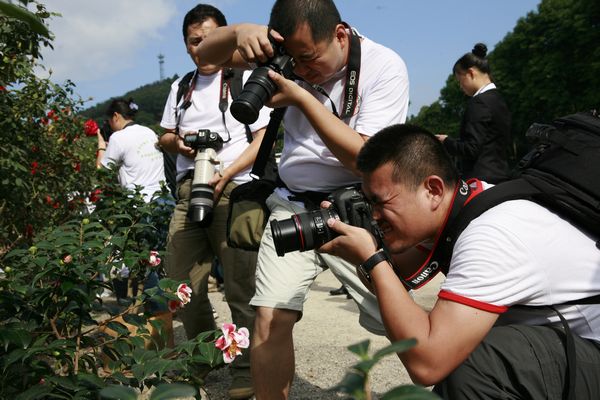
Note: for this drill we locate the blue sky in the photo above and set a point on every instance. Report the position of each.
(108, 47)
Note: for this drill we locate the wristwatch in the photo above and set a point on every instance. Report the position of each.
(366, 267)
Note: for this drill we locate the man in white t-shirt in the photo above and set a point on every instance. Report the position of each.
(362, 87)
(474, 343)
(191, 247)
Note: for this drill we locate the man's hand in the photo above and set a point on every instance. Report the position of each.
(288, 93)
(218, 182)
(183, 149)
(253, 42)
(353, 244)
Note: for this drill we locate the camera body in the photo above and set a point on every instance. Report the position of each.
(307, 231)
(259, 88)
(206, 163)
(106, 130)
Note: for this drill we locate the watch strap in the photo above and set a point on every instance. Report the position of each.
(370, 263)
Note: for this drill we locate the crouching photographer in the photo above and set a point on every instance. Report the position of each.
(511, 320)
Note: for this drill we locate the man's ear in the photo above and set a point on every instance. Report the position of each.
(436, 190)
(341, 35)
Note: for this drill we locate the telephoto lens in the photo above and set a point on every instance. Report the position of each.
(258, 89)
(201, 197)
(303, 232)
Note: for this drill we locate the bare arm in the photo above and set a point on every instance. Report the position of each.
(343, 141)
(219, 181)
(445, 336)
(237, 45)
(173, 143)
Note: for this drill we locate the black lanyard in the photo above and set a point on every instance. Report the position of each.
(352, 75)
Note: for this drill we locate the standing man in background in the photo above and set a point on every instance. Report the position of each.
(191, 247)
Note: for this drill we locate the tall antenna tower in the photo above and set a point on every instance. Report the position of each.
(161, 66)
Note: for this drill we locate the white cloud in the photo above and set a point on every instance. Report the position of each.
(102, 37)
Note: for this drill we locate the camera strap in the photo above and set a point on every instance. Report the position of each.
(352, 75)
(441, 252)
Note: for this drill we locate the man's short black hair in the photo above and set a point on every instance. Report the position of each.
(414, 152)
(322, 16)
(201, 13)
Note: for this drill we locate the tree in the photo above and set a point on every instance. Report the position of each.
(46, 164)
(548, 66)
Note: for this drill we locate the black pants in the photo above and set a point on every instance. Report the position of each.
(523, 362)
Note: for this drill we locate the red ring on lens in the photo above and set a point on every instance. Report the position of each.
(299, 229)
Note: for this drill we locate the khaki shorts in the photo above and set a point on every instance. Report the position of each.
(284, 282)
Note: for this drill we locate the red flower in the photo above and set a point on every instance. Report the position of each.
(52, 115)
(95, 195)
(56, 204)
(34, 167)
(29, 231)
(77, 167)
(90, 127)
(48, 200)
(2, 89)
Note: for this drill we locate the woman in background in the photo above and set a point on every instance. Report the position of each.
(132, 148)
(482, 148)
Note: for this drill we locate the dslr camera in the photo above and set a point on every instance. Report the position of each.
(259, 88)
(207, 144)
(309, 230)
(106, 130)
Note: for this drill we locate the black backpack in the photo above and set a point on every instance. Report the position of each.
(562, 173)
(170, 159)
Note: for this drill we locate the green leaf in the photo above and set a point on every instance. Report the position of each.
(361, 349)
(118, 327)
(409, 392)
(115, 392)
(353, 383)
(396, 347)
(172, 391)
(35, 392)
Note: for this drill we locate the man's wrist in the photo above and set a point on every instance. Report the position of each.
(370, 263)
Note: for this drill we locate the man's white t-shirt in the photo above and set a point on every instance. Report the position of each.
(521, 253)
(204, 113)
(306, 163)
(133, 150)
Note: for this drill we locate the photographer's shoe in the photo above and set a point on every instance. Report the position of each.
(337, 292)
(241, 387)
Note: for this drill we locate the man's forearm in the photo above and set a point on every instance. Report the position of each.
(168, 141)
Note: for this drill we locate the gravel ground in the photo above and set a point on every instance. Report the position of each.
(328, 327)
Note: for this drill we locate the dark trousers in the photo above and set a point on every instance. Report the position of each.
(524, 362)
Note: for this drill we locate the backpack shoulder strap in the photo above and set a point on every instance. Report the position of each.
(184, 85)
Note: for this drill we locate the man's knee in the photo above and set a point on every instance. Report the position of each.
(273, 323)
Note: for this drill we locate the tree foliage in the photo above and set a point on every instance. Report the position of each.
(46, 163)
(548, 66)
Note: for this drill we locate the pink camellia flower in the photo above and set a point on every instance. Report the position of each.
(68, 258)
(232, 341)
(184, 292)
(154, 259)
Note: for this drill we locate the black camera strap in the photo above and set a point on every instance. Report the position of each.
(352, 75)
(266, 146)
(350, 97)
